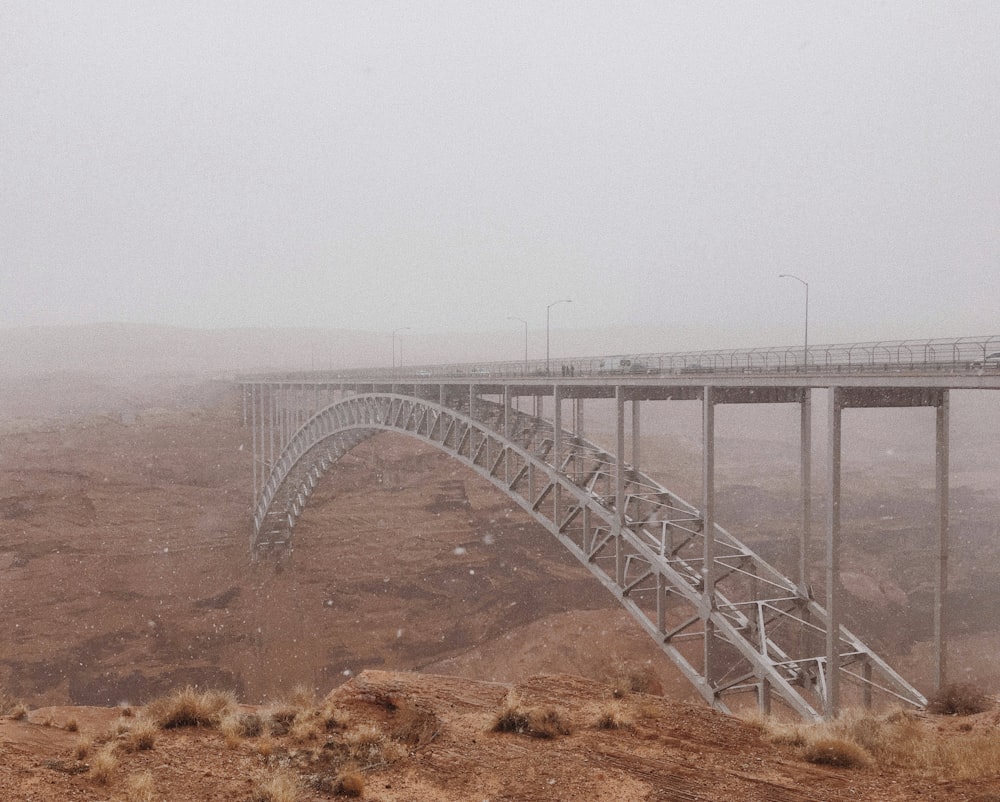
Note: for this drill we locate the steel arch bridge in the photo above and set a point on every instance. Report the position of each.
(732, 623)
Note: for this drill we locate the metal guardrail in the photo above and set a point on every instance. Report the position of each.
(960, 355)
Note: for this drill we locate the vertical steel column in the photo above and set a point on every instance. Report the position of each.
(941, 577)
(578, 423)
(635, 433)
(832, 701)
(506, 433)
(253, 437)
(472, 415)
(708, 529)
(556, 448)
(619, 484)
(805, 462)
(271, 424)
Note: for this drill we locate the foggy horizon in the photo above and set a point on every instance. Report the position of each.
(449, 167)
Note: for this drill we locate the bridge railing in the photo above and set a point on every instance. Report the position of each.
(955, 355)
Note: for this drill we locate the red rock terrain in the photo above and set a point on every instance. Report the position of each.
(125, 573)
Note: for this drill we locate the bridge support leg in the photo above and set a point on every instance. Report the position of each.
(635, 433)
(556, 448)
(619, 483)
(832, 701)
(805, 463)
(708, 529)
(941, 577)
(506, 431)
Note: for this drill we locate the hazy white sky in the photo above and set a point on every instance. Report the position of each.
(445, 165)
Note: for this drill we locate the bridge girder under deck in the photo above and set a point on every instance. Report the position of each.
(645, 544)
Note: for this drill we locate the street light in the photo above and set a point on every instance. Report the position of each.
(548, 309)
(525, 322)
(394, 331)
(805, 349)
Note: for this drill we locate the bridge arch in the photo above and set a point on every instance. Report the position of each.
(750, 631)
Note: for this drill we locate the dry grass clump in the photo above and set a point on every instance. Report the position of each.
(612, 716)
(413, 725)
(350, 782)
(971, 756)
(237, 727)
(279, 788)
(189, 707)
(839, 752)
(369, 746)
(71, 725)
(629, 678)
(139, 735)
(104, 764)
(958, 699)
(10, 704)
(82, 747)
(514, 716)
(18, 711)
(899, 738)
(140, 788)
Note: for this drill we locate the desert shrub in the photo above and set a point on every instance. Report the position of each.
(237, 726)
(189, 707)
(350, 782)
(829, 751)
(612, 717)
(8, 703)
(515, 717)
(82, 747)
(18, 711)
(140, 788)
(139, 736)
(304, 728)
(71, 725)
(280, 719)
(629, 678)
(279, 788)
(958, 699)
(414, 726)
(104, 764)
(972, 756)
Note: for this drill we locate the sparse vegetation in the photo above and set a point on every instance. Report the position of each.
(140, 787)
(514, 716)
(413, 725)
(368, 745)
(82, 747)
(189, 707)
(236, 727)
(898, 739)
(139, 735)
(279, 788)
(350, 782)
(612, 716)
(626, 678)
(958, 699)
(104, 764)
(838, 752)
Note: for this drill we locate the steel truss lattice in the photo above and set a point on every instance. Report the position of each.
(752, 632)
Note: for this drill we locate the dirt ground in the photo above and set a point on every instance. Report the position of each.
(125, 573)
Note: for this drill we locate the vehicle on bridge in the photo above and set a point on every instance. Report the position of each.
(625, 365)
(988, 361)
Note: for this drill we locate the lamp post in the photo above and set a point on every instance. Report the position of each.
(394, 332)
(805, 349)
(525, 322)
(548, 310)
